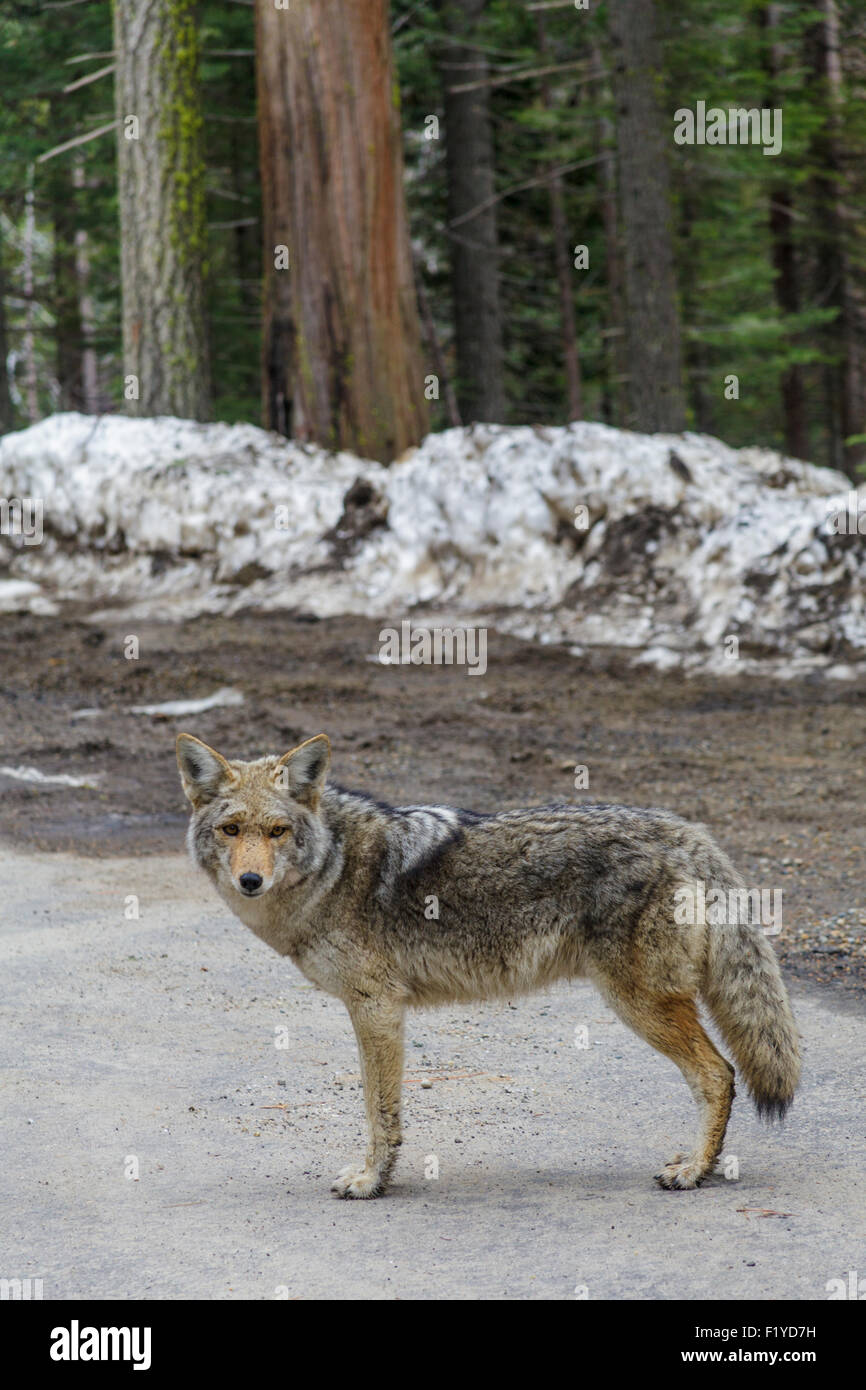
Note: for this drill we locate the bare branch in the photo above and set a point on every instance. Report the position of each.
(79, 140)
(523, 76)
(91, 77)
(521, 187)
(227, 193)
(87, 57)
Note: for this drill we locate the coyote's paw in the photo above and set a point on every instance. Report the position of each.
(358, 1182)
(680, 1174)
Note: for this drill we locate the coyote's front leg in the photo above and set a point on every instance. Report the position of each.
(379, 1030)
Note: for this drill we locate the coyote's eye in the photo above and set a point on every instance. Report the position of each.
(278, 830)
(229, 829)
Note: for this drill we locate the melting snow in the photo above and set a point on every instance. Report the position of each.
(172, 709)
(666, 545)
(60, 779)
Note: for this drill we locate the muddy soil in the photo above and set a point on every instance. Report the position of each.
(777, 770)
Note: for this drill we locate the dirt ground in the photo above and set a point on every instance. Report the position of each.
(777, 770)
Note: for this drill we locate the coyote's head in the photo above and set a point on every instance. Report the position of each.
(256, 825)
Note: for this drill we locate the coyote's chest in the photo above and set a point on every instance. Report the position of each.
(313, 953)
(258, 914)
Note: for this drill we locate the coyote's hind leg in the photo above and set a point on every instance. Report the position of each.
(671, 1024)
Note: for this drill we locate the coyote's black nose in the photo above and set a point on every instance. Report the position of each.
(250, 882)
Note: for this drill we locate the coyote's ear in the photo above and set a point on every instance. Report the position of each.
(304, 769)
(202, 769)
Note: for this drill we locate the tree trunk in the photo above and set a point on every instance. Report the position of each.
(67, 311)
(89, 366)
(784, 257)
(6, 420)
(472, 228)
(838, 283)
(788, 299)
(435, 348)
(342, 360)
(616, 373)
(161, 192)
(564, 264)
(30, 376)
(694, 350)
(655, 390)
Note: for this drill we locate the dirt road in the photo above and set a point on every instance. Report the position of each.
(159, 1144)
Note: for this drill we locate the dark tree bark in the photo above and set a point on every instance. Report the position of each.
(161, 192)
(655, 391)
(564, 265)
(839, 284)
(784, 257)
(342, 360)
(616, 373)
(472, 218)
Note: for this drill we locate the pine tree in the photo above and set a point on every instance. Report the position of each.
(161, 192)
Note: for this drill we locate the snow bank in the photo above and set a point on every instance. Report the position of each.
(665, 545)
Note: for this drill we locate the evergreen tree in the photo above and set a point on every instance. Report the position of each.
(163, 226)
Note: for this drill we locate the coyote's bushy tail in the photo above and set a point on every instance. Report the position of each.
(745, 995)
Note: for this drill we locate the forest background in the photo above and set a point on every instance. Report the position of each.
(354, 223)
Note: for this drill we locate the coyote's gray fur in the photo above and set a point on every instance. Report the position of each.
(340, 883)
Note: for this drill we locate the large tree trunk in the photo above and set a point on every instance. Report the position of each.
(564, 264)
(784, 256)
(163, 225)
(655, 390)
(472, 218)
(342, 360)
(839, 284)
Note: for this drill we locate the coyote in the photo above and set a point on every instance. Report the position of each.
(344, 884)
